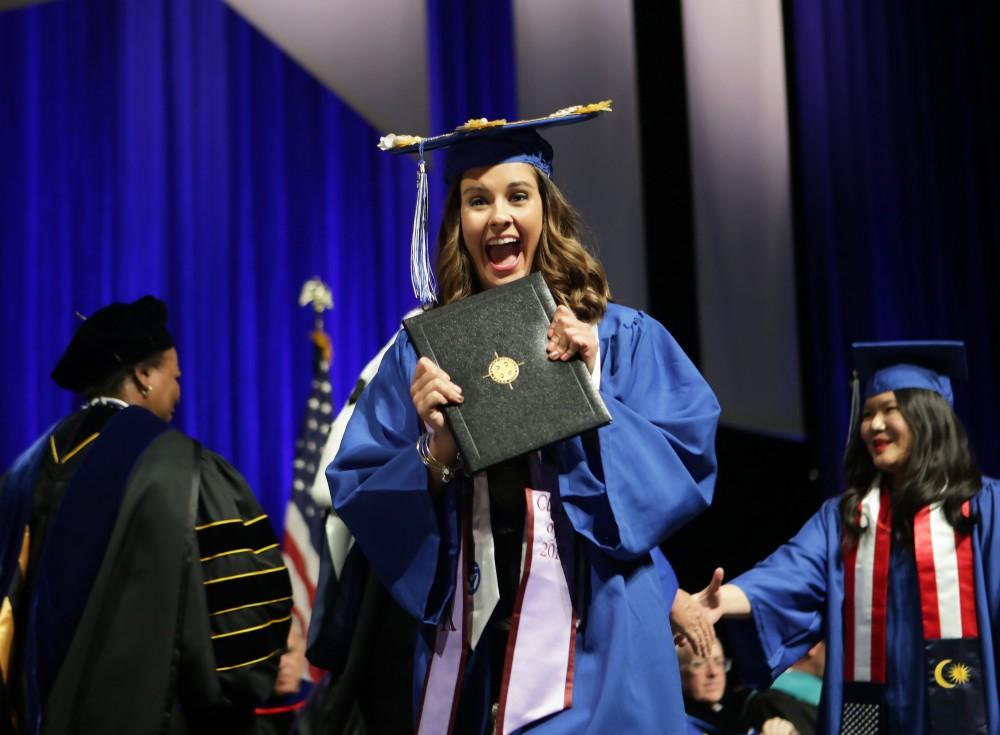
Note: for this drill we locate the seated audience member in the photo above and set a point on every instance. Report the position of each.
(711, 708)
(794, 695)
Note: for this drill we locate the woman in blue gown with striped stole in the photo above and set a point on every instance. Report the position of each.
(901, 574)
(614, 493)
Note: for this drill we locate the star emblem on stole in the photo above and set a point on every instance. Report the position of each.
(959, 673)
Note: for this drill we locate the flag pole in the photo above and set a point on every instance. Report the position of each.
(305, 533)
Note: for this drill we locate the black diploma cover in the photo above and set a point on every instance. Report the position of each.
(517, 400)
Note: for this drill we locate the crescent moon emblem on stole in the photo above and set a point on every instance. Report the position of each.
(939, 678)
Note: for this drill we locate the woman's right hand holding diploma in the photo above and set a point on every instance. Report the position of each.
(430, 390)
(722, 600)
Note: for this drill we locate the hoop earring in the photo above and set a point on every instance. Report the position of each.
(145, 390)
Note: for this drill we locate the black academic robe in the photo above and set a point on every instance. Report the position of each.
(145, 591)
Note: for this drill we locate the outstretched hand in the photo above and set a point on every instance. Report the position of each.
(691, 625)
(710, 598)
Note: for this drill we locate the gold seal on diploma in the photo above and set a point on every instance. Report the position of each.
(504, 370)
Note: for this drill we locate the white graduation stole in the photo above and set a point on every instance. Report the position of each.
(537, 678)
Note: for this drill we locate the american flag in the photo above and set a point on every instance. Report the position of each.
(305, 518)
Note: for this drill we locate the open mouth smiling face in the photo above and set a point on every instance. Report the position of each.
(501, 210)
(503, 252)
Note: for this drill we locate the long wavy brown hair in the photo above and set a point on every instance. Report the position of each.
(575, 277)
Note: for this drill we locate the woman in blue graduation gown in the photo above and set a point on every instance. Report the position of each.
(904, 669)
(622, 489)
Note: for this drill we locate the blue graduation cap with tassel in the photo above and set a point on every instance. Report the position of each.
(479, 142)
(884, 366)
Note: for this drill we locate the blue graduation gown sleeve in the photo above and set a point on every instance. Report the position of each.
(788, 593)
(379, 488)
(654, 467)
(667, 576)
(986, 542)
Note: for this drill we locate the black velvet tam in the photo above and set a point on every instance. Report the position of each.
(112, 338)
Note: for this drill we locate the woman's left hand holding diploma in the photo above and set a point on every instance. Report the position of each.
(568, 336)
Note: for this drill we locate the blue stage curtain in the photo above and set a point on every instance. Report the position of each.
(896, 161)
(470, 55)
(166, 147)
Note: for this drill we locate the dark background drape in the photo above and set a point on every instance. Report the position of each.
(893, 119)
(896, 168)
(470, 55)
(165, 147)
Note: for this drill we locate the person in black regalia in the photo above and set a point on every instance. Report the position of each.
(143, 587)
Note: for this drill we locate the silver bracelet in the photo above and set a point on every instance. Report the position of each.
(445, 472)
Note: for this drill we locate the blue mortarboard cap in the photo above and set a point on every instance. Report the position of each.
(484, 142)
(885, 366)
(477, 143)
(523, 145)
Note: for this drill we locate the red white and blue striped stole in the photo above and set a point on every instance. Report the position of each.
(866, 586)
(946, 577)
